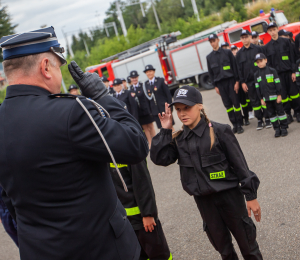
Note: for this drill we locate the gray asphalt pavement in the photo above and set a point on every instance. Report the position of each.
(275, 161)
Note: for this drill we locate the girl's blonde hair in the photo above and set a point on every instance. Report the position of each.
(211, 129)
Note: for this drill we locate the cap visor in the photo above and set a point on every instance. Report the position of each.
(183, 101)
(147, 70)
(61, 57)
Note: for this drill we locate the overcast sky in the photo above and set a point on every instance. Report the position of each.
(70, 15)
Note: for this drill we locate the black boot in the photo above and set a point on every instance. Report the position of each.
(240, 130)
(268, 123)
(234, 129)
(246, 122)
(289, 119)
(260, 125)
(277, 132)
(284, 132)
(298, 117)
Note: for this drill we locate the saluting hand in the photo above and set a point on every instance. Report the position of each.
(166, 118)
(254, 206)
(149, 223)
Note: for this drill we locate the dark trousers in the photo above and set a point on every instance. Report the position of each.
(244, 103)
(289, 92)
(259, 110)
(226, 212)
(230, 100)
(277, 115)
(9, 224)
(154, 245)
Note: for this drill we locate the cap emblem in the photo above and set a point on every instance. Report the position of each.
(147, 67)
(182, 93)
(257, 56)
(211, 36)
(244, 31)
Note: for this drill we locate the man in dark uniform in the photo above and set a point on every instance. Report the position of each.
(74, 90)
(158, 93)
(225, 45)
(145, 116)
(255, 38)
(246, 68)
(281, 56)
(224, 76)
(53, 161)
(125, 96)
(106, 83)
(297, 51)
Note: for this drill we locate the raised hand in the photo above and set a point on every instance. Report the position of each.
(166, 118)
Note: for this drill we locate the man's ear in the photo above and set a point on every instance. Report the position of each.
(45, 68)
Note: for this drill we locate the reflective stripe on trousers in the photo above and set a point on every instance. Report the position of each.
(171, 257)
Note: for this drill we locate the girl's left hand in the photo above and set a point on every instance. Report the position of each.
(254, 206)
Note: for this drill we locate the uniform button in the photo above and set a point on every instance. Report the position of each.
(124, 217)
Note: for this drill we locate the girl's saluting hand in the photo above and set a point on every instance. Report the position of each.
(166, 118)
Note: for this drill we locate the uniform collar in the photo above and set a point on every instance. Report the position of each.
(198, 129)
(277, 41)
(219, 50)
(152, 80)
(250, 47)
(25, 90)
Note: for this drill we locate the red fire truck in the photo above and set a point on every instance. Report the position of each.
(184, 61)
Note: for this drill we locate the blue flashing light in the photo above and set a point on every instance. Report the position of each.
(272, 9)
(261, 11)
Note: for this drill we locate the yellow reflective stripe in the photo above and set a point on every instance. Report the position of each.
(255, 64)
(237, 109)
(226, 68)
(264, 107)
(294, 97)
(217, 175)
(229, 110)
(282, 117)
(285, 57)
(133, 211)
(118, 165)
(171, 257)
(274, 119)
(256, 108)
(248, 100)
(285, 100)
(244, 105)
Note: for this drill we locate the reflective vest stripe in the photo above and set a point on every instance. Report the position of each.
(273, 97)
(133, 211)
(118, 165)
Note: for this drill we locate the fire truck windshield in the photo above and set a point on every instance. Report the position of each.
(281, 19)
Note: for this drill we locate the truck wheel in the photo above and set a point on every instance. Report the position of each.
(205, 82)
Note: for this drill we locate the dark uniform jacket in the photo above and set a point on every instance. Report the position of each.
(140, 98)
(204, 171)
(139, 201)
(221, 65)
(161, 93)
(111, 91)
(280, 55)
(267, 84)
(246, 64)
(297, 46)
(54, 169)
(130, 102)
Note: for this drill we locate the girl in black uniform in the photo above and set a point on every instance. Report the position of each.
(140, 205)
(213, 169)
(125, 96)
(145, 117)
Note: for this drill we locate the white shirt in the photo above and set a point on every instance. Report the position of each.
(152, 81)
(136, 86)
(118, 93)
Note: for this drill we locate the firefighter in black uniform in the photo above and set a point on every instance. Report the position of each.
(281, 56)
(297, 50)
(145, 117)
(255, 38)
(225, 45)
(246, 67)
(224, 76)
(158, 93)
(125, 96)
(214, 170)
(242, 94)
(268, 89)
(106, 83)
(140, 205)
(60, 189)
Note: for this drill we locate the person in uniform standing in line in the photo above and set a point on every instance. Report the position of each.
(297, 51)
(158, 91)
(242, 94)
(281, 56)
(224, 76)
(225, 45)
(214, 171)
(60, 189)
(140, 205)
(125, 96)
(255, 38)
(106, 83)
(268, 89)
(246, 68)
(74, 90)
(124, 83)
(145, 117)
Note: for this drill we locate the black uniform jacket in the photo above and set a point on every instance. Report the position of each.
(140, 98)
(267, 84)
(280, 55)
(246, 64)
(111, 90)
(54, 168)
(130, 102)
(221, 65)
(204, 171)
(162, 95)
(297, 46)
(140, 191)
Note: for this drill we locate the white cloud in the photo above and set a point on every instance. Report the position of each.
(71, 15)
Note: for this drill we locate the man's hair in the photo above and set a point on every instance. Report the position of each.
(25, 65)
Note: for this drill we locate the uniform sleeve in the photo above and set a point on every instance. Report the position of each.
(297, 46)
(248, 180)
(143, 189)
(257, 87)
(163, 148)
(167, 92)
(239, 68)
(122, 133)
(210, 72)
(134, 110)
(277, 83)
(234, 66)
